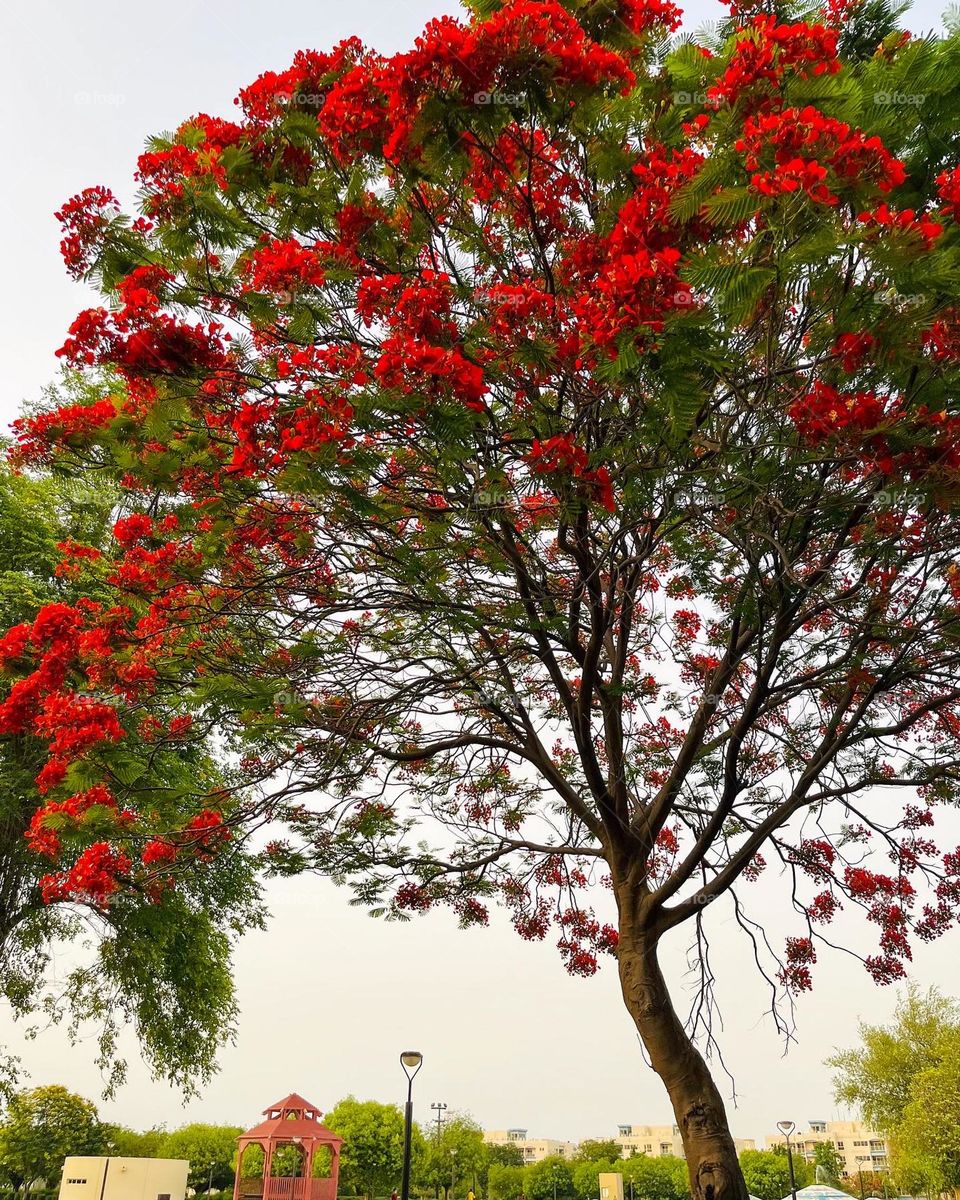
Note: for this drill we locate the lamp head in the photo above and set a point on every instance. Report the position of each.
(411, 1061)
(786, 1127)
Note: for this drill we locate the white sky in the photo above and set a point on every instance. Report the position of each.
(330, 997)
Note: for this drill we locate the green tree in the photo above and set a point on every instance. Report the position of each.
(159, 961)
(456, 1156)
(767, 1173)
(41, 1128)
(927, 1143)
(548, 1178)
(598, 1150)
(827, 1163)
(663, 1177)
(128, 1143)
(877, 1077)
(211, 1151)
(506, 1154)
(505, 1181)
(371, 1160)
(585, 1172)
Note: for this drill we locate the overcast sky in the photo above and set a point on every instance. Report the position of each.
(330, 997)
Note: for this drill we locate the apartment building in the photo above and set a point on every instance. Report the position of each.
(859, 1146)
(658, 1140)
(533, 1149)
(654, 1140)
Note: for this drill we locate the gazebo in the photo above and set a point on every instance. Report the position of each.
(292, 1122)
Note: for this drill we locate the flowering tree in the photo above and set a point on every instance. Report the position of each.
(161, 963)
(539, 453)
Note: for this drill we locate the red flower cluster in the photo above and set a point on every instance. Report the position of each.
(626, 283)
(44, 840)
(948, 188)
(281, 266)
(158, 852)
(768, 50)
(410, 365)
(824, 411)
(93, 878)
(853, 349)
(39, 437)
(905, 221)
(807, 147)
(84, 219)
(561, 456)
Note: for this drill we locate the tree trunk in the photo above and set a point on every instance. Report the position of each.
(708, 1145)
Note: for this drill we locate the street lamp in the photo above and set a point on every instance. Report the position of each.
(786, 1128)
(860, 1162)
(439, 1108)
(411, 1061)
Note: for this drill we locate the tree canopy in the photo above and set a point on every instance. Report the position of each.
(539, 461)
(160, 961)
(767, 1173)
(43, 1126)
(211, 1151)
(371, 1158)
(903, 1079)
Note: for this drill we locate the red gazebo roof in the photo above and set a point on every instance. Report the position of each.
(292, 1117)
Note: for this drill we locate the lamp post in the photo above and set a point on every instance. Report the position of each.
(786, 1128)
(439, 1108)
(411, 1061)
(860, 1173)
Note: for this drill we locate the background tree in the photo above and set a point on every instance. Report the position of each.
(456, 1153)
(505, 1181)
(664, 1177)
(585, 1175)
(767, 1173)
(532, 494)
(506, 1155)
(161, 961)
(928, 1139)
(877, 1077)
(827, 1163)
(211, 1151)
(40, 1128)
(128, 1143)
(598, 1150)
(548, 1178)
(372, 1156)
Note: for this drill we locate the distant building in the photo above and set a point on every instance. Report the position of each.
(532, 1149)
(655, 1140)
(91, 1177)
(859, 1146)
(659, 1140)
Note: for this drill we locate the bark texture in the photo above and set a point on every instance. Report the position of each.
(708, 1145)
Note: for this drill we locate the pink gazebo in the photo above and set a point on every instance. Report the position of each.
(290, 1122)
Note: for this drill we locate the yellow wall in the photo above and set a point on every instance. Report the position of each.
(91, 1178)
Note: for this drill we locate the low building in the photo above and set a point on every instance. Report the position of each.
(659, 1140)
(532, 1149)
(93, 1177)
(858, 1146)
